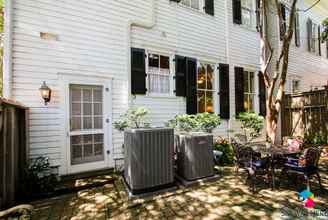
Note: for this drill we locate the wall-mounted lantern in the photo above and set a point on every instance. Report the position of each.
(45, 92)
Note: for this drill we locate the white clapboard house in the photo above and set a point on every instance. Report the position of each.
(172, 57)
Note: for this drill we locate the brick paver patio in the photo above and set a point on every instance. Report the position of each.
(227, 198)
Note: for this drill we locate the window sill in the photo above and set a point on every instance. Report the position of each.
(161, 96)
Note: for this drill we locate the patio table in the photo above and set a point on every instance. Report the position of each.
(273, 152)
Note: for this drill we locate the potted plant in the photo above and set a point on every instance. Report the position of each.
(194, 144)
(148, 152)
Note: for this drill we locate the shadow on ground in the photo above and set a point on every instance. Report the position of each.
(227, 198)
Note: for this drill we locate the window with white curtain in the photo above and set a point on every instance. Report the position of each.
(247, 12)
(158, 74)
(86, 124)
(195, 4)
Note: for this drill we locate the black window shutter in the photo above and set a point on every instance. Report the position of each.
(258, 15)
(209, 7)
(309, 32)
(138, 71)
(224, 91)
(239, 90)
(180, 76)
(319, 40)
(191, 86)
(236, 10)
(283, 26)
(297, 30)
(262, 95)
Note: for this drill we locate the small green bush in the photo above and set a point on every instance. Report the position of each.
(205, 122)
(315, 139)
(133, 118)
(228, 156)
(251, 123)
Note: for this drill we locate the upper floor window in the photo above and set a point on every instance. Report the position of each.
(296, 86)
(205, 88)
(249, 91)
(247, 12)
(195, 4)
(158, 74)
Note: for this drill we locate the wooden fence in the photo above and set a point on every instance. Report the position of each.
(13, 149)
(305, 114)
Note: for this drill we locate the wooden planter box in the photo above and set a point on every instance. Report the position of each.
(148, 162)
(194, 155)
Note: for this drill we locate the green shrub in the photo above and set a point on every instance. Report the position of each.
(228, 156)
(205, 122)
(252, 124)
(315, 139)
(133, 118)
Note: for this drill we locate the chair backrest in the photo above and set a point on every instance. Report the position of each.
(244, 153)
(312, 156)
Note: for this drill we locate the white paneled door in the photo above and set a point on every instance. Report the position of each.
(88, 108)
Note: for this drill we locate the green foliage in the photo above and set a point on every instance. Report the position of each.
(133, 118)
(228, 156)
(315, 139)
(39, 178)
(252, 124)
(205, 122)
(325, 30)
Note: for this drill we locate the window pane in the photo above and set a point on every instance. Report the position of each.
(246, 4)
(76, 109)
(209, 102)
(195, 4)
(246, 17)
(87, 95)
(87, 109)
(97, 109)
(76, 95)
(251, 82)
(201, 101)
(98, 123)
(201, 81)
(165, 62)
(97, 95)
(210, 77)
(76, 123)
(246, 82)
(87, 122)
(153, 60)
(186, 2)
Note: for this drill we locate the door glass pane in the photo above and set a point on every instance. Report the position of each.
(87, 95)
(87, 150)
(76, 109)
(97, 95)
(98, 123)
(99, 149)
(76, 95)
(97, 109)
(201, 101)
(76, 152)
(76, 123)
(87, 122)
(87, 109)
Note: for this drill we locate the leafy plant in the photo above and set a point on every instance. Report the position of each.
(324, 36)
(39, 176)
(251, 123)
(133, 118)
(205, 122)
(228, 156)
(315, 139)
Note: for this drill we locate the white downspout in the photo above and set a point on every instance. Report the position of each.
(143, 24)
(7, 47)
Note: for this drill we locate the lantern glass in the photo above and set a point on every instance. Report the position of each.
(45, 93)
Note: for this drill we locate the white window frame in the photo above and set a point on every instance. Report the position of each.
(252, 14)
(96, 80)
(215, 85)
(201, 4)
(171, 76)
(292, 86)
(254, 93)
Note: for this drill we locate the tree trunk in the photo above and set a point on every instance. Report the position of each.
(272, 125)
